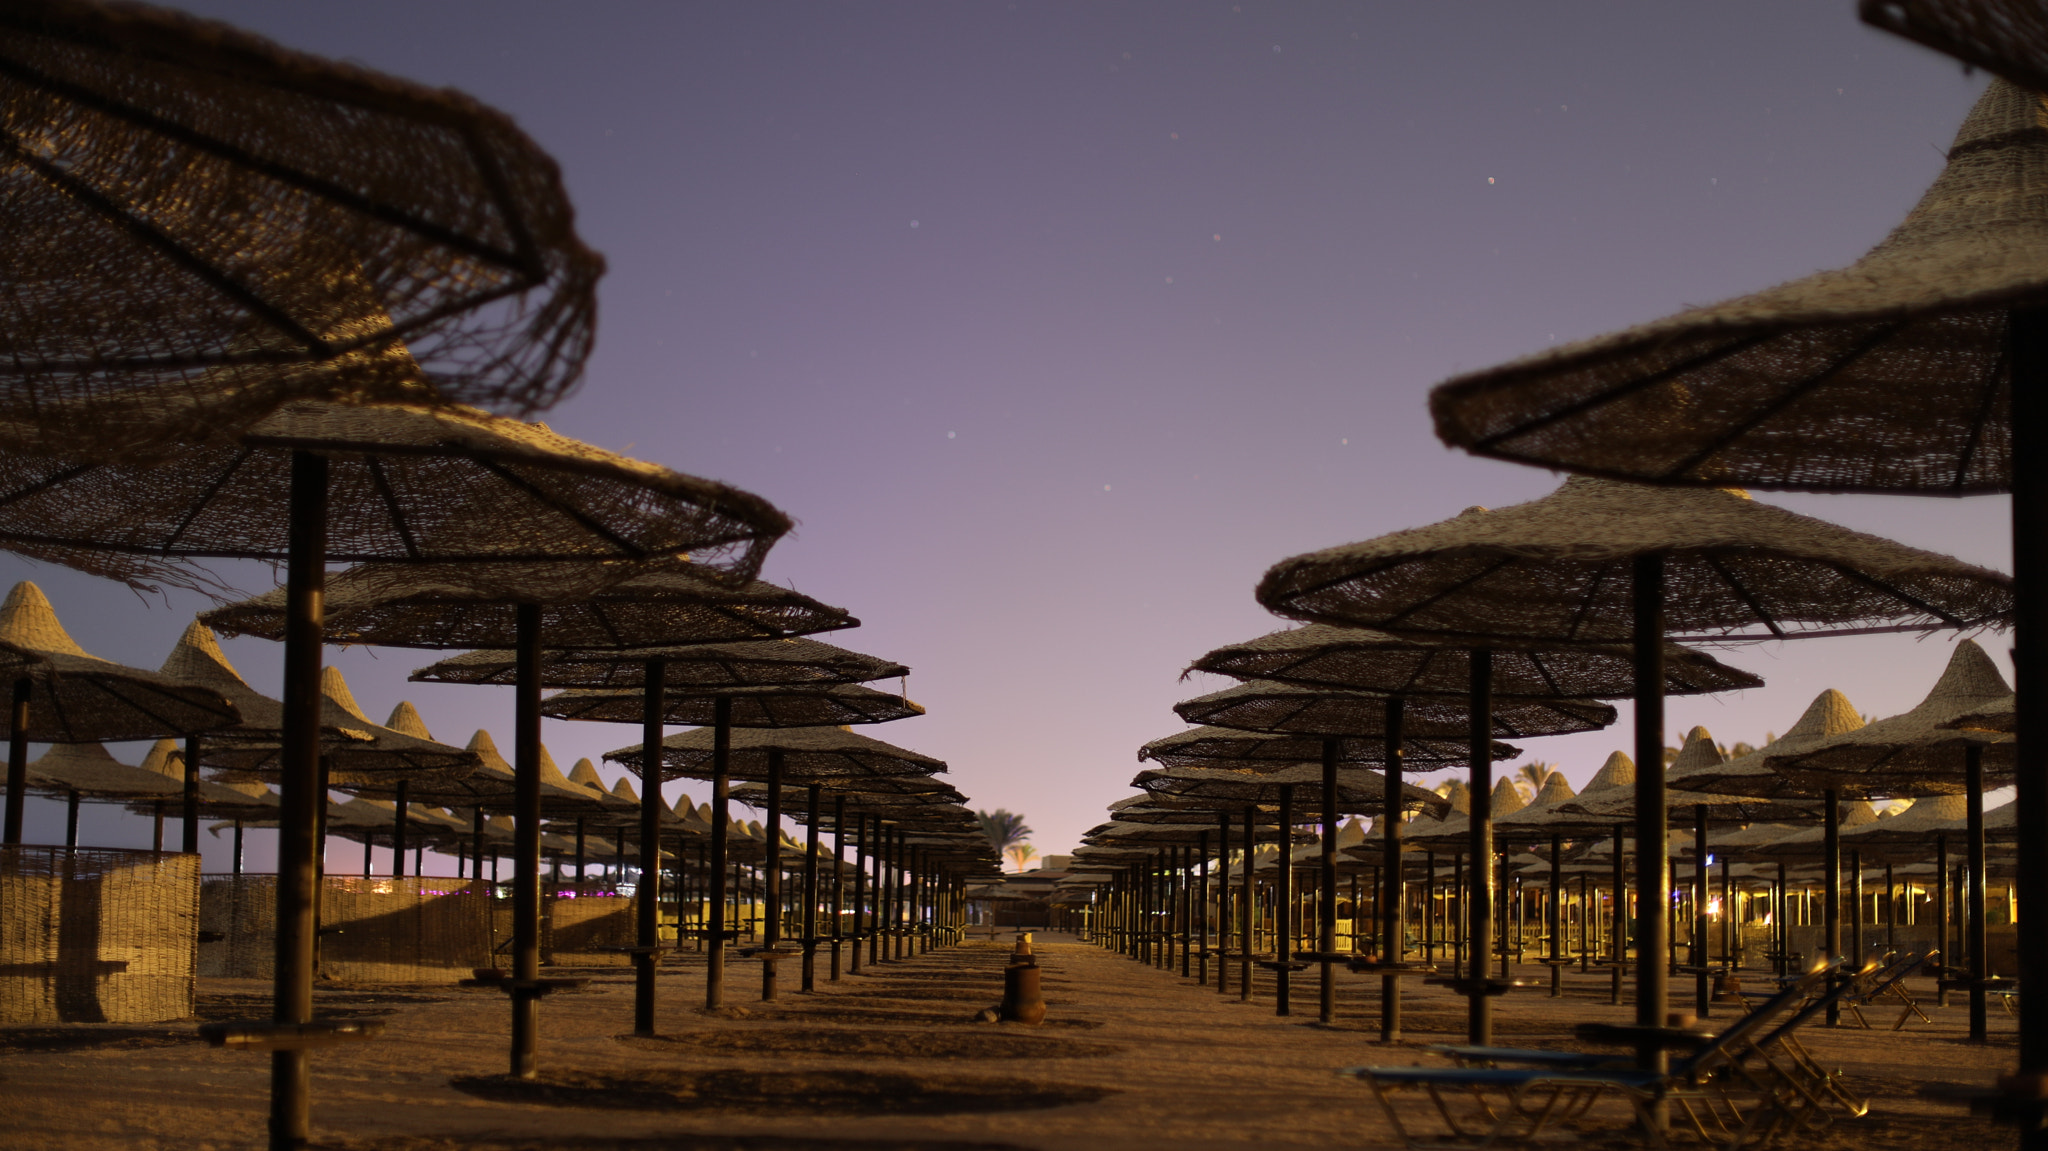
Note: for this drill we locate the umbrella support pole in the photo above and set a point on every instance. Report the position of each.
(1554, 923)
(1831, 886)
(771, 874)
(1653, 862)
(2028, 356)
(1479, 846)
(1246, 898)
(1394, 943)
(810, 914)
(71, 819)
(721, 787)
(189, 810)
(1941, 920)
(1974, 927)
(1283, 903)
(299, 801)
(838, 881)
(1223, 918)
(1326, 910)
(1697, 946)
(526, 844)
(647, 896)
(1201, 904)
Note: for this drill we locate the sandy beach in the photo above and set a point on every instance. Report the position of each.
(1130, 1056)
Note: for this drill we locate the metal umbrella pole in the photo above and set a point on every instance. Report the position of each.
(647, 948)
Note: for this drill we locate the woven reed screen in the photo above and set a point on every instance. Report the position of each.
(378, 930)
(582, 924)
(96, 936)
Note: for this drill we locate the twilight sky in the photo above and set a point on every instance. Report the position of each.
(1055, 324)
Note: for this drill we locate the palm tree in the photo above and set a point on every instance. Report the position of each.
(1002, 828)
(1020, 854)
(1531, 776)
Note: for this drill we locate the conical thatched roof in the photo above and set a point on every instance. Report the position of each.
(90, 770)
(368, 758)
(1361, 659)
(792, 705)
(1917, 752)
(1269, 706)
(1757, 774)
(690, 668)
(1887, 375)
(1533, 820)
(1698, 756)
(78, 697)
(1558, 569)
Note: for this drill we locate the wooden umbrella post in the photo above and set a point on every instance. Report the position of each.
(1326, 908)
(721, 787)
(1479, 900)
(1831, 886)
(1246, 899)
(839, 880)
(189, 813)
(17, 762)
(810, 899)
(299, 798)
(526, 845)
(1653, 863)
(1393, 946)
(647, 902)
(1223, 917)
(771, 873)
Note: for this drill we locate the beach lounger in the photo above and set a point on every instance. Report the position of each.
(1724, 1104)
(1890, 983)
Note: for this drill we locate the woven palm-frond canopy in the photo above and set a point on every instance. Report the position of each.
(1264, 705)
(1697, 755)
(795, 705)
(1557, 569)
(2004, 37)
(1192, 811)
(1453, 834)
(1888, 375)
(197, 659)
(687, 667)
(620, 604)
(821, 752)
(1362, 659)
(193, 207)
(1916, 753)
(76, 697)
(407, 482)
(1256, 751)
(1359, 791)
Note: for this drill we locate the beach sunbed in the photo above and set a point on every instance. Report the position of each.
(1724, 1104)
(1890, 984)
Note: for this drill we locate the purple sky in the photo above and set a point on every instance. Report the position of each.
(1054, 325)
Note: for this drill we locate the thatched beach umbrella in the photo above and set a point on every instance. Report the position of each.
(1332, 714)
(200, 207)
(797, 705)
(1423, 668)
(527, 607)
(1897, 374)
(1603, 562)
(62, 694)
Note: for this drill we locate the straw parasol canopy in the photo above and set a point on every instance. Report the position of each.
(407, 482)
(1452, 835)
(1359, 791)
(2005, 37)
(1908, 833)
(1557, 570)
(1362, 659)
(195, 207)
(792, 705)
(621, 604)
(1888, 375)
(808, 752)
(1916, 753)
(88, 769)
(684, 667)
(1697, 756)
(1255, 751)
(1269, 706)
(75, 696)
(1534, 820)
